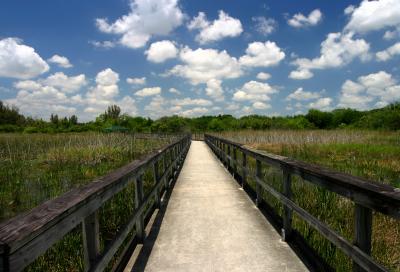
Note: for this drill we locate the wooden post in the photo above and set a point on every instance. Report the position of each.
(363, 231)
(165, 171)
(91, 239)
(258, 186)
(235, 162)
(287, 213)
(219, 149)
(244, 164)
(139, 195)
(156, 181)
(174, 154)
(229, 158)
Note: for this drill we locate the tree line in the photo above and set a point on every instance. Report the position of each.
(387, 118)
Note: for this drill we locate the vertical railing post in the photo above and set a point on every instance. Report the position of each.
(235, 162)
(287, 213)
(139, 196)
(229, 158)
(156, 181)
(244, 169)
(258, 186)
(174, 154)
(165, 167)
(219, 148)
(223, 153)
(170, 164)
(91, 239)
(362, 231)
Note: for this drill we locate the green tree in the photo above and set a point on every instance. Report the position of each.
(73, 120)
(10, 115)
(321, 119)
(112, 112)
(54, 119)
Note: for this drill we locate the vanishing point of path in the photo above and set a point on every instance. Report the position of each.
(210, 224)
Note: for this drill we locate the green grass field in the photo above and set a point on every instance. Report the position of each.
(38, 167)
(370, 154)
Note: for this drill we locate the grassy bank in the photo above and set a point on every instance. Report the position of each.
(370, 154)
(35, 168)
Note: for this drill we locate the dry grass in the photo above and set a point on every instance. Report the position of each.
(35, 168)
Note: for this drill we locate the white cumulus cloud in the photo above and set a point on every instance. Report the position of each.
(65, 83)
(259, 54)
(264, 26)
(299, 20)
(148, 91)
(374, 15)
(254, 91)
(263, 76)
(224, 26)
(323, 103)
(146, 18)
(214, 89)
(161, 51)
(191, 102)
(337, 49)
(174, 91)
(136, 80)
(388, 53)
(201, 65)
(20, 61)
(302, 95)
(60, 61)
(261, 105)
(301, 74)
(379, 87)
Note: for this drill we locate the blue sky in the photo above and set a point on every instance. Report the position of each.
(192, 58)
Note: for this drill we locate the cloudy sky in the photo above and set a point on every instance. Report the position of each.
(189, 57)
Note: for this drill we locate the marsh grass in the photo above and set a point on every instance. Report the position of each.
(35, 168)
(369, 154)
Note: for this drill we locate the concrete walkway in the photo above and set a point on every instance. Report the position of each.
(210, 224)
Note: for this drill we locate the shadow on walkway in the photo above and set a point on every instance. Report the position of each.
(144, 254)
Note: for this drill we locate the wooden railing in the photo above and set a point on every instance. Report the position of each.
(366, 195)
(197, 136)
(156, 136)
(26, 237)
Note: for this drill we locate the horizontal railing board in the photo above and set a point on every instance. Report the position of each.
(28, 235)
(381, 197)
(325, 230)
(15, 230)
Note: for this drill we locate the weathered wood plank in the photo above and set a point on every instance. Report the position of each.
(139, 196)
(360, 257)
(377, 196)
(244, 169)
(362, 231)
(91, 239)
(156, 180)
(258, 186)
(367, 196)
(28, 235)
(235, 162)
(287, 213)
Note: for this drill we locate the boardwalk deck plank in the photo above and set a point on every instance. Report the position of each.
(210, 224)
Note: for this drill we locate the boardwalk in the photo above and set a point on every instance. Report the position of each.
(211, 225)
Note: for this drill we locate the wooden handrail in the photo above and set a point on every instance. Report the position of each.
(366, 195)
(27, 236)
